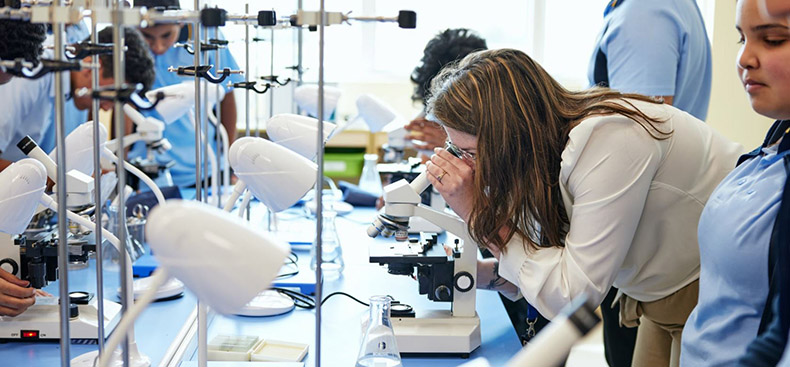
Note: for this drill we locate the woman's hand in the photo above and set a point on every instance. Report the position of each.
(429, 133)
(15, 297)
(453, 177)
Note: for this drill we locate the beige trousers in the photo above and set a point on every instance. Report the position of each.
(660, 325)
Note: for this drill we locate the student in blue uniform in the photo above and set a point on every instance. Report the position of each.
(743, 230)
(19, 40)
(31, 102)
(659, 49)
(181, 133)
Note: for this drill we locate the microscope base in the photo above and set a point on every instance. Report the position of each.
(44, 319)
(437, 332)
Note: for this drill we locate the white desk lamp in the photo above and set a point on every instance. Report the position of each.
(376, 113)
(21, 190)
(297, 132)
(179, 101)
(213, 252)
(80, 153)
(306, 97)
(553, 344)
(277, 176)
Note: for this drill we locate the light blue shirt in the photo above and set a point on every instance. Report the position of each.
(658, 48)
(72, 117)
(181, 133)
(28, 108)
(734, 237)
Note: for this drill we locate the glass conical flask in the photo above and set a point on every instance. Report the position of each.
(370, 180)
(331, 252)
(379, 348)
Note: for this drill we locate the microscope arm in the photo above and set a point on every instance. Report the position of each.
(128, 140)
(449, 223)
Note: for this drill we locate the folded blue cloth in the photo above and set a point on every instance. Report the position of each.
(355, 196)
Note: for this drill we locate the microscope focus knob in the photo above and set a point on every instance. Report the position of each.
(464, 281)
(443, 293)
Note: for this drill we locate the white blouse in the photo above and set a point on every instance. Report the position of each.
(633, 204)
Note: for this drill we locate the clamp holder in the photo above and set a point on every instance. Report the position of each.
(204, 71)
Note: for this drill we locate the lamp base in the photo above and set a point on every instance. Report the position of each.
(135, 359)
(42, 321)
(267, 303)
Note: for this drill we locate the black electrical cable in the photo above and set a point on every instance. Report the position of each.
(291, 260)
(344, 294)
(301, 300)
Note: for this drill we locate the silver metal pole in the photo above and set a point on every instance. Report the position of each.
(257, 98)
(218, 144)
(271, 219)
(299, 55)
(97, 183)
(204, 126)
(247, 79)
(202, 309)
(63, 254)
(196, 46)
(119, 76)
(319, 188)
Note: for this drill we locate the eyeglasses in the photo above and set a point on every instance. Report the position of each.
(458, 152)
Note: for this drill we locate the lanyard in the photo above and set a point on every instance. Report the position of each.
(612, 4)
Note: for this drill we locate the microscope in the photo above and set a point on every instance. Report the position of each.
(442, 277)
(33, 256)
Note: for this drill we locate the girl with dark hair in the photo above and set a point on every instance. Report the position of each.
(744, 232)
(446, 47)
(577, 191)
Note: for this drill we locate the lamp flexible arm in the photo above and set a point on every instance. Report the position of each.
(244, 202)
(237, 191)
(157, 279)
(142, 176)
(223, 134)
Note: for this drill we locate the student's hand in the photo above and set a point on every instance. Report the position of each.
(454, 179)
(15, 298)
(430, 133)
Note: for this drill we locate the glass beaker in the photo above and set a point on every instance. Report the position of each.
(379, 348)
(370, 180)
(331, 251)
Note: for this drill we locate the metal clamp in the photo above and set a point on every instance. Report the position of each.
(274, 79)
(126, 94)
(84, 49)
(251, 86)
(204, 71)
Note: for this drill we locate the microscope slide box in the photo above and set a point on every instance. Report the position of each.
(279, 351)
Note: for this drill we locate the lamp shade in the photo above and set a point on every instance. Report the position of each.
(180, 99)
(79, 143)
(375, 112)
(306, 97)
(277, 176)
(220, 257)
(297, 132)
(21, 185)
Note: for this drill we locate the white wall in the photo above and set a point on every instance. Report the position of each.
(730, 112)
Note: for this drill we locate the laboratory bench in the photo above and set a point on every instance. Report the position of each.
(161, 330)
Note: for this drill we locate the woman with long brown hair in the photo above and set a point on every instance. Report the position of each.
(578, 191)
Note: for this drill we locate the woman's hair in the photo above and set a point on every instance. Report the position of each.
(521, 117)
(21, 39)
(138, 61)
(448, 46)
